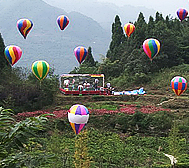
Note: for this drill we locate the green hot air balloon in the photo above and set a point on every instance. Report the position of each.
(40, 69)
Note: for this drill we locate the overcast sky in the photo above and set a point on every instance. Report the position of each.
(164, 6)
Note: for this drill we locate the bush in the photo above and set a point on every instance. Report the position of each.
(21, 91)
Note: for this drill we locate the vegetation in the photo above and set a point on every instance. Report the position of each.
(130, 131)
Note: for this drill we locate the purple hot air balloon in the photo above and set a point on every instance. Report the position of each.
(78, 116)
(80, 53)
(182, 13)
(62, 21)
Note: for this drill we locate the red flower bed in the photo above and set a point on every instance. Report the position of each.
(127, 109)
(152, 109)
(57, 114)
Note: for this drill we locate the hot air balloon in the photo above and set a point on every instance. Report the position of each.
(40, 69)
(80, 53)
(151, 48)
(24, 26)
(129, 28)
(182, 13)
(178, 85)
(78, 116)
(12, 54)
(62, 21)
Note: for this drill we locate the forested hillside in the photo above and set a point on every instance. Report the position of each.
(126, 64)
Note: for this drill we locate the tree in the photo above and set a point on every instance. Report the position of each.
(89, 61)
(3, 61)
(118, 38)
(139, 35)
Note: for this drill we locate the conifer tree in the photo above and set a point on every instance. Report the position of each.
(3, 61)
(139, 35)
(118, 38)
(89, 61)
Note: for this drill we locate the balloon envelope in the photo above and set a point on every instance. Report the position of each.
(178, 85)
(24, 26)
(40, 69)
(182, 13)
(80, 53)
(12, 54)
(129, 28)
(62, 21)
(151, 47)
(78, 116)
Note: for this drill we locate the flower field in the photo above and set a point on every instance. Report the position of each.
(126, 109)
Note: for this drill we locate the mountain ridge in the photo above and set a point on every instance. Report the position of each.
(46, 41)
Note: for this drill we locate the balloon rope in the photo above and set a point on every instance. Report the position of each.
(40, 84)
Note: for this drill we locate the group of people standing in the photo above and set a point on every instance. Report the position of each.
(86, 85)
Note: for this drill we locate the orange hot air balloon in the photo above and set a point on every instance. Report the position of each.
(129, 28)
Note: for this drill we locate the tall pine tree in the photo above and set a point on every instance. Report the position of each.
(89, 61)
(3, 61)
(118, 38)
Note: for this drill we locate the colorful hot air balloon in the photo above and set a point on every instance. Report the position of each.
(24, 26)
(80, 53)
(12, 54)
(129, 28)
(151, 48)
(40, 69)
(62, 21)
(78, 116)
(178, 85)
(182, 13)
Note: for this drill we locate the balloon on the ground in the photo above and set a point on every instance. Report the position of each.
(40, 69)
(12, 54)
(182, 13)
(178, 85)
(80, 53)
(24, 26)
(78, 116)
(129, 28)
(62, 21)
(151, 48)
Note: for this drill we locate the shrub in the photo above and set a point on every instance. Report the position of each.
(21, 91)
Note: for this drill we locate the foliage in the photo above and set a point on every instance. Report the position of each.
(15, 139)
(127, 65)
(21, 91)
(3, 62)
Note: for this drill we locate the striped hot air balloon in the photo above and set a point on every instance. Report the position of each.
(24, 26)
(62, 21)
(129, 28)
(80, 53)
(151, 48)
(182, 13)
(78, 116)
(40, 69)
(12, 54)
(178, 85)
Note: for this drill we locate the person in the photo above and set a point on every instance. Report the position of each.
(73, 84)
(80, 87)
(85, 85)
(66, 82)
(108, 85)
(96, 84)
